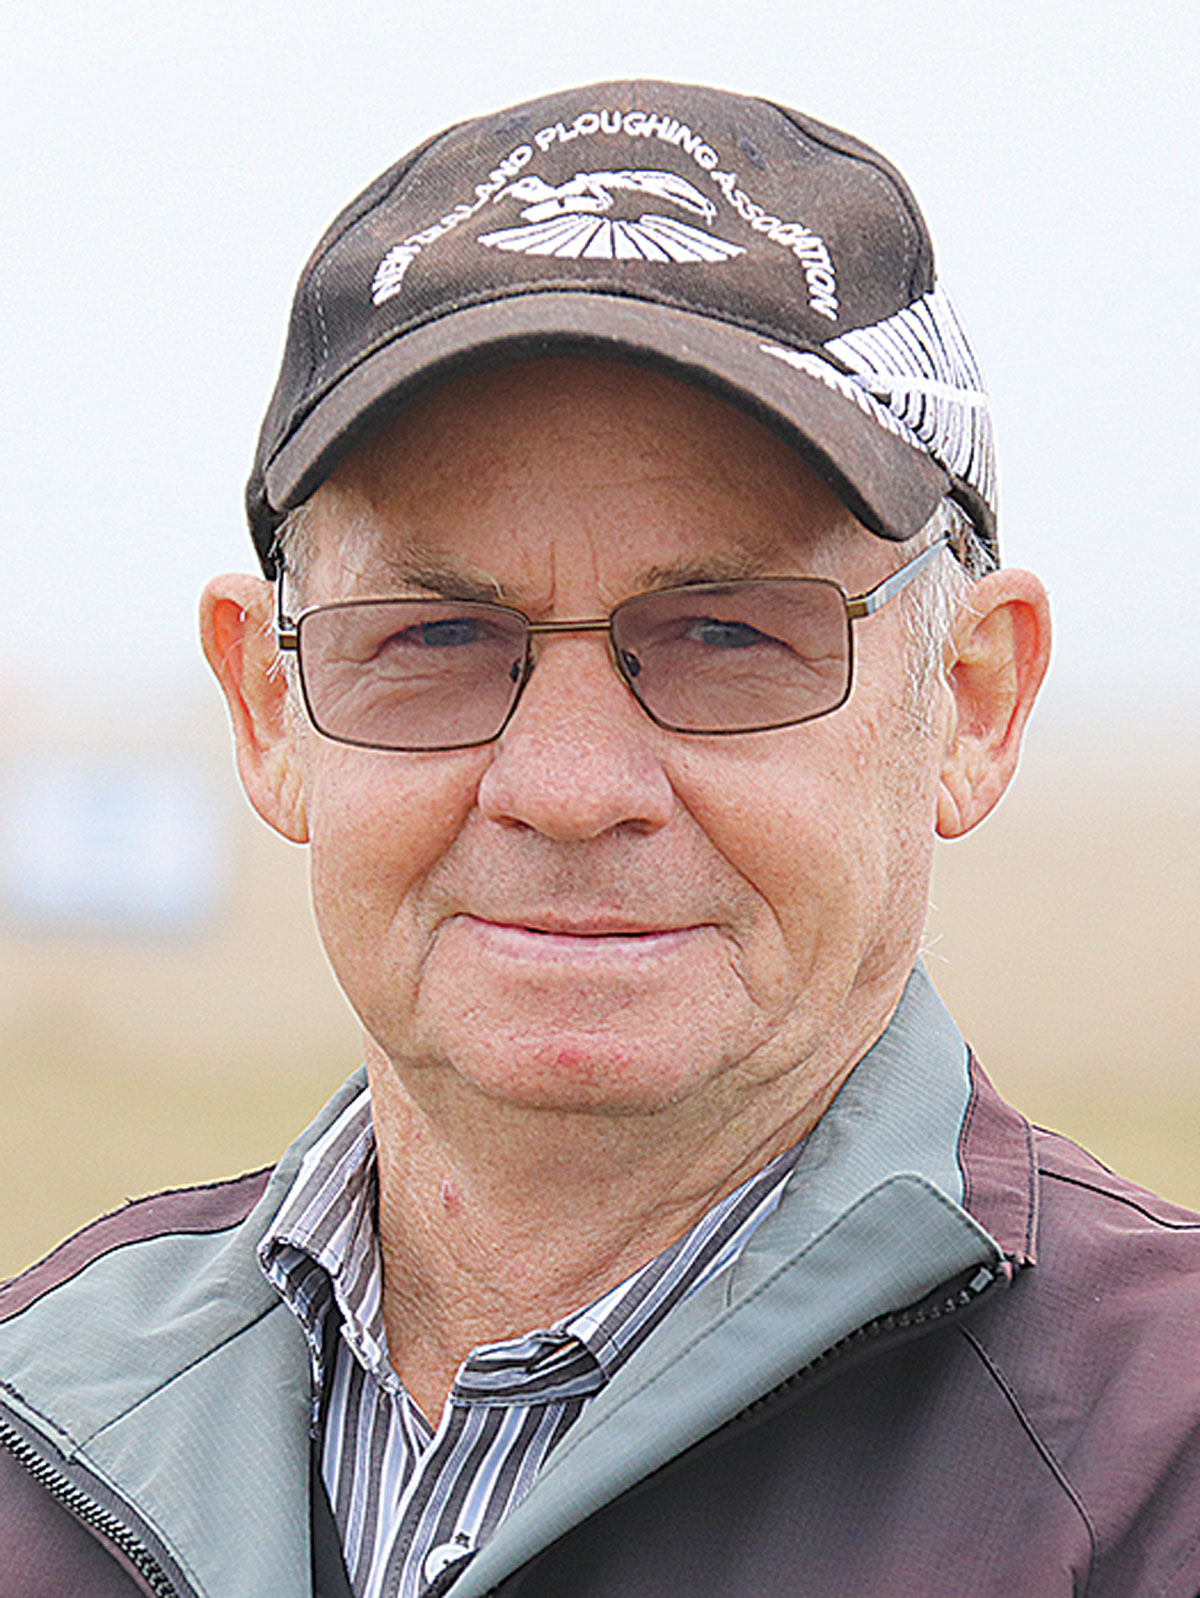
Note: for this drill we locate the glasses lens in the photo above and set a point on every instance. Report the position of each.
(410, 674)
(726, 657)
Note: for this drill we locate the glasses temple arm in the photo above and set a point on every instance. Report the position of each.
(867, 604)
(286, 635)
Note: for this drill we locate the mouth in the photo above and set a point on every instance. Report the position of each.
(584, 937)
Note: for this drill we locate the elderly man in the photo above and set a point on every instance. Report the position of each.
(634, 624)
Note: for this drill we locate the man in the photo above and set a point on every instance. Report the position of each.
(632, 627)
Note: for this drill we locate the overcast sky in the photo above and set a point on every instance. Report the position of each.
(166, 169)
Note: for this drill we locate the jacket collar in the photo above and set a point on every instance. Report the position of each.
(1000, 1179)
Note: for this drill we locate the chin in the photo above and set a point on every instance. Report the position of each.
(576, 1073)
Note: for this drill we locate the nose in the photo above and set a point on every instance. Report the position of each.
(579, 758)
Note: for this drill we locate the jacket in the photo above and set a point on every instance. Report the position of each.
(960, 1358)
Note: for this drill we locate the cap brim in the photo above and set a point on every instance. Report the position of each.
(890, 485)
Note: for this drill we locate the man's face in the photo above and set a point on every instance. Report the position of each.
(591, 912)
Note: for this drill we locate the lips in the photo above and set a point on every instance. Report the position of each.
(597, 938)
(582, 926)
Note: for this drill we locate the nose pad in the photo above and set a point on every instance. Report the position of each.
(578, 757)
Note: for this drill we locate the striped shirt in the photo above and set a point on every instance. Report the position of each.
(410, 1499)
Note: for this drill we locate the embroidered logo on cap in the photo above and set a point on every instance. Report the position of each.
(563, 221)
(567, 221)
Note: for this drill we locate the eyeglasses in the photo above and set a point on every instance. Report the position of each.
(706, 658)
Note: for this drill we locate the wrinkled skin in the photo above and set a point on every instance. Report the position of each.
(604, 970)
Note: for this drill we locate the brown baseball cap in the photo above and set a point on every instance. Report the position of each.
(724, 239)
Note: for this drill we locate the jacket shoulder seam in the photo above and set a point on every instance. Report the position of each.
(70, 1445)
(1117, 1197)
(108, 1234)
(193, 1364)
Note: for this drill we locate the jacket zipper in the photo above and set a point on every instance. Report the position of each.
(91, 1514)
(949, 1301)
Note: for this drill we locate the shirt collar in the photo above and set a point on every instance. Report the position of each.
(323, 1245)
(323, 1248)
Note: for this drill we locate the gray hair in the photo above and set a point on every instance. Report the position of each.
(935, 599)
(294, 550)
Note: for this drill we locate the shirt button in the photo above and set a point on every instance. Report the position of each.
(445, 1554)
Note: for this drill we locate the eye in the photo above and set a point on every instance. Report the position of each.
(440, 632)
(449, 633)
(725, 634)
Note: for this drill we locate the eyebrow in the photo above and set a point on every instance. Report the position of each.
(415, 572)
(717, 568)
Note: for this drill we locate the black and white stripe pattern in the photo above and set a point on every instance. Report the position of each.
(914, 374)
(410, 1499)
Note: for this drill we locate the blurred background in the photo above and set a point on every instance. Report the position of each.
(165, 1012)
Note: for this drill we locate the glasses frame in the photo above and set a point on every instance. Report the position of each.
(857, 606)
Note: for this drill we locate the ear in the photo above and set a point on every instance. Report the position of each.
(995, 664)
(235, 629)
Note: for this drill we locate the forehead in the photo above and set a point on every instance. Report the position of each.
(652, 474)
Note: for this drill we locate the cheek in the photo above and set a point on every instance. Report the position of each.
(774, 815)
(825, 828)
(379, 822)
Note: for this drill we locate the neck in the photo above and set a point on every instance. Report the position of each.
(495, 1219)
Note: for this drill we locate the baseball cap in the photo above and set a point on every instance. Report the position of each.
(724, 239)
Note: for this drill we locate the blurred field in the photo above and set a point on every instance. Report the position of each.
(1064, 938)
